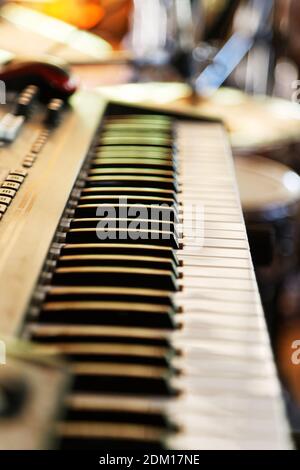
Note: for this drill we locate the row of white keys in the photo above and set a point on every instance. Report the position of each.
(231, 396)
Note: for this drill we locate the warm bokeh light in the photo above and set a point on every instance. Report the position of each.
(109, 18)
(83, 14)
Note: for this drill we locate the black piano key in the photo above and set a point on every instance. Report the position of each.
(136, 128)
(129, 314)
(139, 126)
(100, 164)
(121, 414)
(115, 276)
(130, 199)
(90, 435)
(144, 236)
(111, 260)
(115, 358)
(114, 352)
(130, 191)
(119, 249)
(135, 118)
(141, 134)
(133, 171)
(123, 379)
(50, 333)
(131, 340)
(145, 119)
(137, 153)
(116, 156)
(121, 210)
(89, 443)
(93, 223)
(136, 149)
(141, 181)
(153, 141)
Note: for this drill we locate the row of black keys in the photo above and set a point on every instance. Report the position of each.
(120, 283)
(146, 262)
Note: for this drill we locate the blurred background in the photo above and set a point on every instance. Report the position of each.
(237, 60)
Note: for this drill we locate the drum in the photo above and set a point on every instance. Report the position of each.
(287, 347)
(270, 196)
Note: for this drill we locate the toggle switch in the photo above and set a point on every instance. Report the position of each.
(26, 100)
(54, 111)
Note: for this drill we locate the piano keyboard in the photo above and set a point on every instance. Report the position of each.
(161, 322)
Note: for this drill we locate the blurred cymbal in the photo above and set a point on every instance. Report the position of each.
(254, 122)
(157, 93)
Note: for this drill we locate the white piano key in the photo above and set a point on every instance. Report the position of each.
(218, 350)
(222, 211)
(208, 188)
(219, 248)
(234, 227)
(233, 369)
(220, 294)
(199, 305)
(227, 360)
(226, 219)
(202, 261)
(215, 272)
(210, 180)
(219, 333)
(213, 320)
(247, 385)
(198, 231)
(204, 441)
(219, 243)
(218, 283)
(190, 202)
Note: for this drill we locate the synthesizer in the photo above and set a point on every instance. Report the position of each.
(123, 250)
